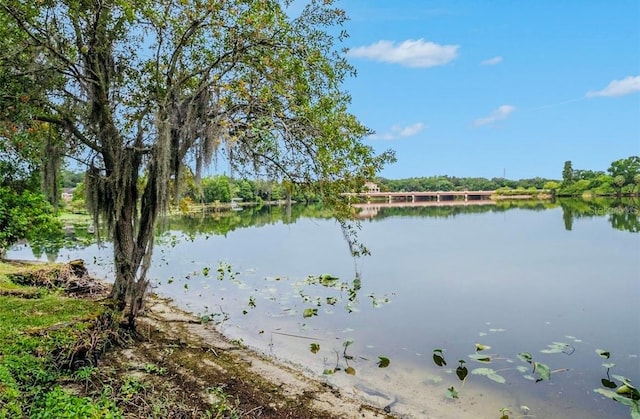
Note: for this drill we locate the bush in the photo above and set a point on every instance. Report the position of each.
(25, 215)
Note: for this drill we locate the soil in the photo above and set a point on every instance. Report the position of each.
(187, 367)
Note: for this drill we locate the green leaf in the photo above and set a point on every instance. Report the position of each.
(383, 362)
(490, 373)
(350, 371)
(606, 393)
(603, 353)
(608, 365)
(635, 411)
(310, 312)
(328, 280)
(462, 372)
(439, 360)
(622, 378)
(481, 347)
(543, 371)
(452, 393)
(315, 347)
(624, 400)
(485, 359)
(525, 356)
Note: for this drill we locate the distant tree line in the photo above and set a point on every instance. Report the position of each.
(622, 178)
(452, 183)
(211, 189)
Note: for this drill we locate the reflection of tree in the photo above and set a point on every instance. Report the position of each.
(567, 217)
(444, 211)
(622, 213)
(223, 222)
(625, 219)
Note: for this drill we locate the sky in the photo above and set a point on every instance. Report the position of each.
(488, 88)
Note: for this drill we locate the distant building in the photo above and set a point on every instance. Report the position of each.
(371, 187)
(67, 194)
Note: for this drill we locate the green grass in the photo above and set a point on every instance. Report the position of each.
(74, 218)
(39, 331)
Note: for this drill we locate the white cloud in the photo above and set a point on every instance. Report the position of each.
(410, 53)
(400, 132)
(492, 61)
(501, 113)
(622, 87)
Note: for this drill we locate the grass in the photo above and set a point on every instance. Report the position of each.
(42, 333)
(74, 218)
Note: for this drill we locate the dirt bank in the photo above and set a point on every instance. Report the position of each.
(193, 367)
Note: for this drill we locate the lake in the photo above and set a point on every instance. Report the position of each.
(557, 283)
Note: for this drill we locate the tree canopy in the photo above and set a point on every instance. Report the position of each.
(140, 90)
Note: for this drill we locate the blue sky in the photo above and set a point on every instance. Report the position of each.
(482, 88)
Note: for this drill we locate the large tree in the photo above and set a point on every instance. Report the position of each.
(151, 86)
(626, 169)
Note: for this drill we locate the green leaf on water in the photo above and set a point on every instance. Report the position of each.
(438, 358)
(309, 312)
(606, 393)
(485, 359)
(462, 372)
(622, 378)
(328, 280)
(624, 400)
(608, 365)
(328, 372)
(543, 371)
(603, 353)
(315, 347)
(452, 393)
(481, 347)
(525, 356)
(383, 362)
(557, 347)
(490, 373)
(350, 371)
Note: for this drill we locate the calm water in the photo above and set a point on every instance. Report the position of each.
(516, 279)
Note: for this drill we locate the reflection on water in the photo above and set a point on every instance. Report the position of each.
(552, 279)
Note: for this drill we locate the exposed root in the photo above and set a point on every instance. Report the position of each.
(73, 278)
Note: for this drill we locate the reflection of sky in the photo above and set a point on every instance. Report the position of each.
(515, 280)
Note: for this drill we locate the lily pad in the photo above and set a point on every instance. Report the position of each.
(462, 372)
(481, 347)
(525, 356)
(383, 362)
(490, 373)
(310, 312)
(543, 371)
(485, 359)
